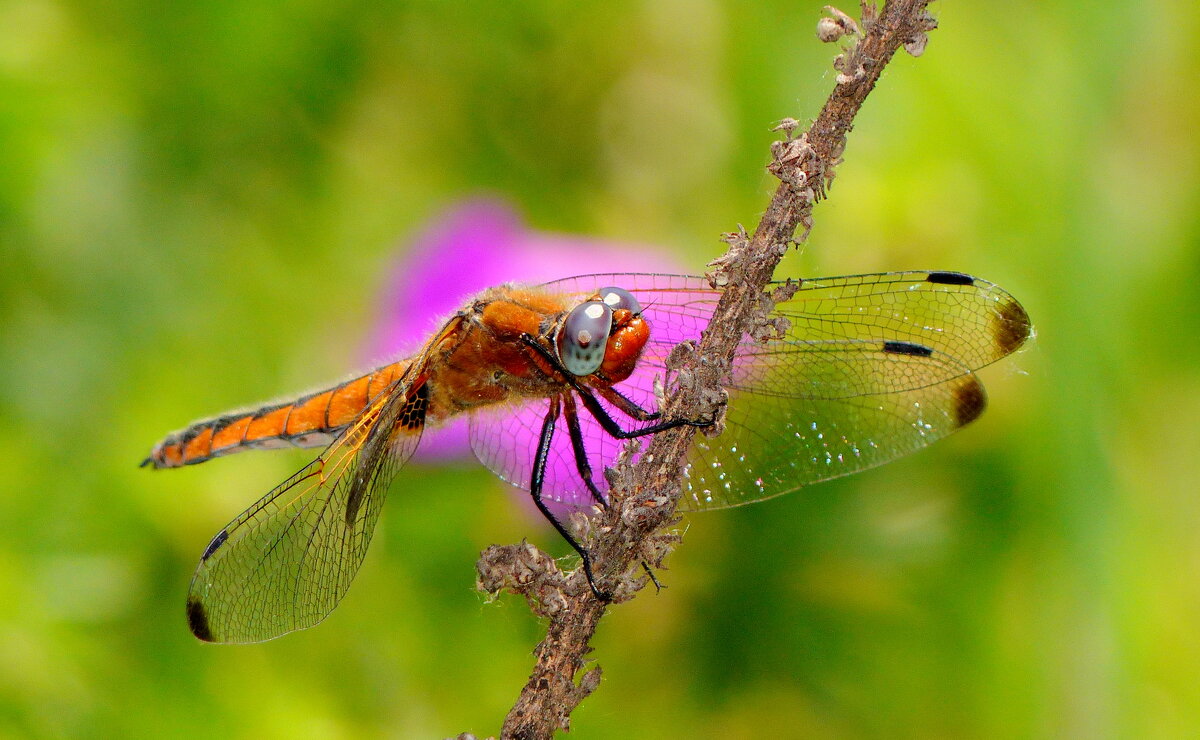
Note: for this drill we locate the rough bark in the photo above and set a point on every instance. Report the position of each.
(639, 526)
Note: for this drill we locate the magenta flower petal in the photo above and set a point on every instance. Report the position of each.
(472, 246)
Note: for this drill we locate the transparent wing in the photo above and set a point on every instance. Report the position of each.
(286, 562)
(822, 410)
(505, 439)
(868, 368)
(969, 319)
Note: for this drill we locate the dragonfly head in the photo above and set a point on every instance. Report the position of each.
(583, 337)
(628, 337)
(619, 299)
(604, 335)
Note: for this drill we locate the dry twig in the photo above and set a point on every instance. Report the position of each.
(637, 527)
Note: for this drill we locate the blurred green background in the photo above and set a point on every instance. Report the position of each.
(200, 203)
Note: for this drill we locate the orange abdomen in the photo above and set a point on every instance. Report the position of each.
(310, 421)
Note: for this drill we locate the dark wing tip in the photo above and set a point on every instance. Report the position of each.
(969, 400)
(944, 277)
(1012, 327)
(198, 620)
(148, 461)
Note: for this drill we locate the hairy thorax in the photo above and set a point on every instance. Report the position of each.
(482, 359)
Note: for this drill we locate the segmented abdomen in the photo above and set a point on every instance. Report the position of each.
(310, 421)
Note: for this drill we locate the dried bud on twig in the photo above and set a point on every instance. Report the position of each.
(836, 25)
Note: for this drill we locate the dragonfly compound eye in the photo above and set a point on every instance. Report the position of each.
(618, 298)
(583, 337)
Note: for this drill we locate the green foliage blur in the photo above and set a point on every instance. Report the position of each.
(199, 205)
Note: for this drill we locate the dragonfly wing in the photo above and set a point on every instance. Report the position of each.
(801, 413)
(677, 307)
(286, 562)
(505, 439)
(967, 318)
(868, 368)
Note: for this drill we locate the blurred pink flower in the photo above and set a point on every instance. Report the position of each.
(474, 245)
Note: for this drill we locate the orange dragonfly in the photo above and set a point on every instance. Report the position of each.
(870, 368)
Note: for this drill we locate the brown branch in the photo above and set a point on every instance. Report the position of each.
(638, 526)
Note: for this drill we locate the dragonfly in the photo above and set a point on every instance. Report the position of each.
(555, 378)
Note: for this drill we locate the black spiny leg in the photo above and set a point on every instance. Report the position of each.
(536, 481)
(658, 587)
(596, 410)
(585, 468)
(614, 429)
(619, 401)
(581, 461)
(626, 405)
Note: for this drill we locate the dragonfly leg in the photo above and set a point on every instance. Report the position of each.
(601, 415)
(537, 479)
(627, 405)
(658, 587)
(597, 411)
(585, 469)
(571, 413)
